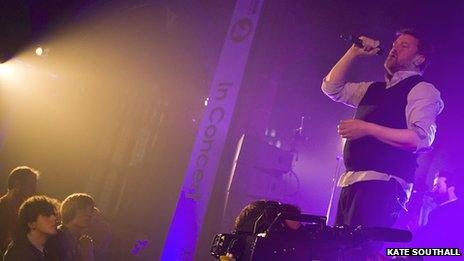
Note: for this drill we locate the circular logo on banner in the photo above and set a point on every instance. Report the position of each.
(241, 29)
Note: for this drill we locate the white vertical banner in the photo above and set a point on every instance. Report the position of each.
(200, 175)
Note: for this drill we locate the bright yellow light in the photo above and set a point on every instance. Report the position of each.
(6, 69)
(39, 51)
(10, 72)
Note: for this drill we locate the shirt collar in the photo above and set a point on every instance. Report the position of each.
(399, 76)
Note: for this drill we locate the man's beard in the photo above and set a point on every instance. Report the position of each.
(391, 65)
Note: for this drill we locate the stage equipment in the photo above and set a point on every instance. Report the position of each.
(312, 241)
(258, 173)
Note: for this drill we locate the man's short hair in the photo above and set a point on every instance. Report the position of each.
(424, 47)
(30, 210)
(73, 203)
(453, 180)
(21, 174)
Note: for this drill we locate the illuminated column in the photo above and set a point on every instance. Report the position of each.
(199, 178)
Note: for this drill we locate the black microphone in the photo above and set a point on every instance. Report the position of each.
(356, 41)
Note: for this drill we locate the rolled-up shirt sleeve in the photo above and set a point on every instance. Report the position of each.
(424, 105)
(348, 93)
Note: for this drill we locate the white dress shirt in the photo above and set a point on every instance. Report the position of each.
(423, 106)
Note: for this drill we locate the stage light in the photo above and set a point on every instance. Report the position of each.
(10, 73)
(41, 51)
(6, 69)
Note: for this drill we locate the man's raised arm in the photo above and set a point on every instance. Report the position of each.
(334, 84)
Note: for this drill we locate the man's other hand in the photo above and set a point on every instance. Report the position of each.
(353, 129)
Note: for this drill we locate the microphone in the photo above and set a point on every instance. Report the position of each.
(356, 41)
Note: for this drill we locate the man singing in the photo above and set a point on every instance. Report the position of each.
(394, 121)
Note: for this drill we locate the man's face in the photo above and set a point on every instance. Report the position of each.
(404, 55)
(45, 224)
(440, 190)
(83, 217)
(26, 188)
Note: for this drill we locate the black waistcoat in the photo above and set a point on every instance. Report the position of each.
(385, 107)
